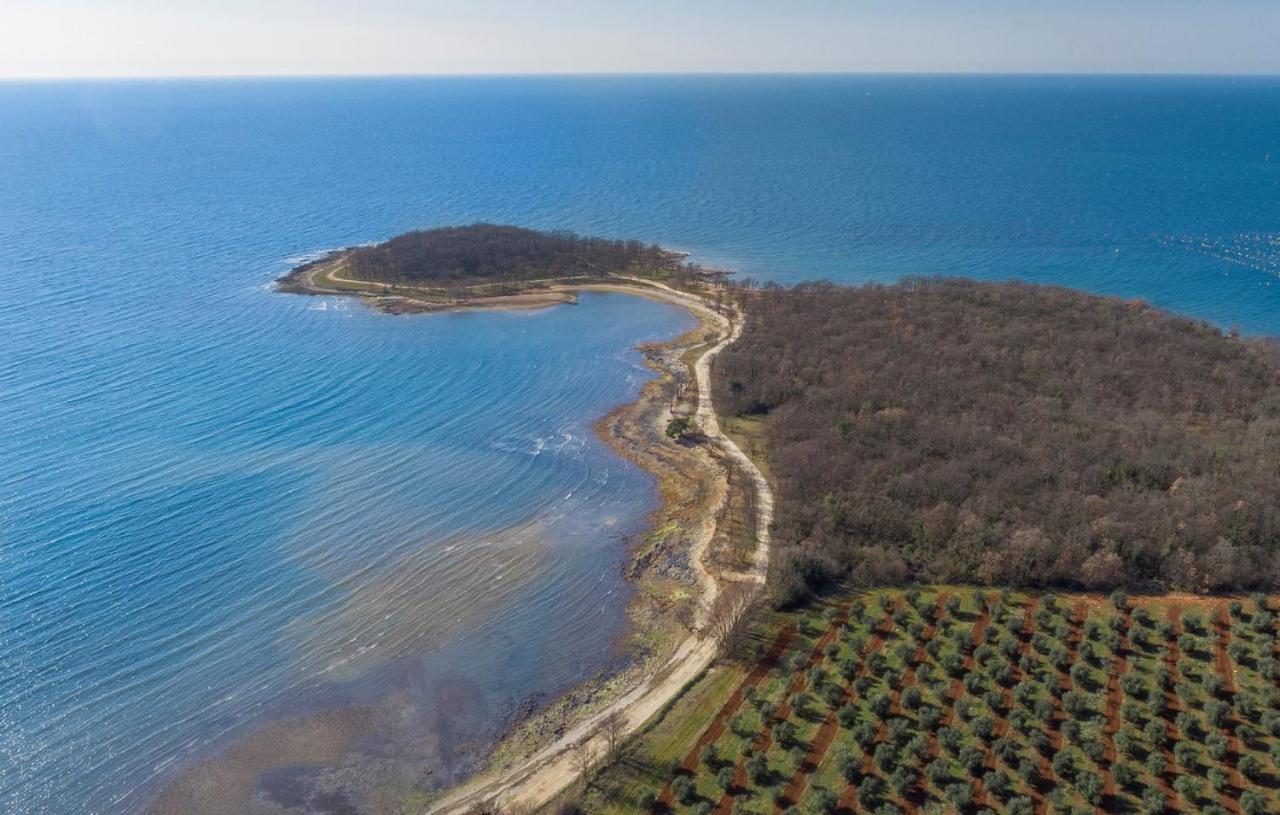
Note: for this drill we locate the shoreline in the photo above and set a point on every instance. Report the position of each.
(667, 575)
(542, 776)
(541, 756)
(324, 277)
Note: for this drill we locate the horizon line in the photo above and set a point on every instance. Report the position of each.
(624, 74)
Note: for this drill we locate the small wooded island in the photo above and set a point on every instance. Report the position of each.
(484, 266)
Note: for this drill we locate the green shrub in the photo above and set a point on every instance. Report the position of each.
(1155, 733)
(1155, 763)
(1217, 745)
(885, 757)
(1252, 802)
(903, 780)
(1153, 801)
(797, 756)
(1124, 774)
(1251, 767)
(1089, 785)
(959, 793)
(1063, 765)
(938, 772)
(785, 733)
(825, 801)
(1188, 787)
(870, 792)
(1125, 743)
(682, 789)
(1218, 778)
(1186, 755)
(1020, 806)
(912, 697)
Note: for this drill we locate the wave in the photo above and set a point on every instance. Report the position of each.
(1257, 251)
(561, 442)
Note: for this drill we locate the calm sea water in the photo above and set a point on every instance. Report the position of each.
(220, 505)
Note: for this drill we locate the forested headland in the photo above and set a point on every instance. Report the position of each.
(483, 253)
(954, 431)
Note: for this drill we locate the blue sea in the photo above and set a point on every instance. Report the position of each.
(222, 508)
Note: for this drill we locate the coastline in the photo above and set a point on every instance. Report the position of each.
(668, 575)
(668, 644)
(325, 276)
(635, 431)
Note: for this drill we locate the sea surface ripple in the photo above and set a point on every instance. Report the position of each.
(221, 506)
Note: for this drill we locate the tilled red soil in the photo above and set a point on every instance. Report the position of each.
(1173, 704)
(1024, 646)
(1111, 710)
(1222, 661)
(714, 730)
(830, 727)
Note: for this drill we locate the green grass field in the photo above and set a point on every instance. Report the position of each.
(954, 700)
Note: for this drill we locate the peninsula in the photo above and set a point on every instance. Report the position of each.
(706, 558)
(1015, 529)
(983, 443)
(488, 266)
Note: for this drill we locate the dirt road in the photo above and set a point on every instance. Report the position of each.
(543, 776)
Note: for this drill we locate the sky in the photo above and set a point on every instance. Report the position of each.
(113, 38)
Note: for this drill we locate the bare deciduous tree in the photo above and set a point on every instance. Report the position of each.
(614, 729)
(726, 619)
(956, 431)
(487, 253)
(583, 760)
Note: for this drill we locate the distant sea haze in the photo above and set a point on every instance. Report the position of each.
(221, 506)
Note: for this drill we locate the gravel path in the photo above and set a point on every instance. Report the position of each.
(545, 775)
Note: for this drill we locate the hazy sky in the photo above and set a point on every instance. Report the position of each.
(204, 37)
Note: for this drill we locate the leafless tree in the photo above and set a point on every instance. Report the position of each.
(583, 760)
(726, 619)
(481, 253)
(614, 729)
(1008, 434)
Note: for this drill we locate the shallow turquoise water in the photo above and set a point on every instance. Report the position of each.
(259, 511)
(220, 505)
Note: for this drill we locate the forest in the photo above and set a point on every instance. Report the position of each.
(1003, 433)
(482, 253)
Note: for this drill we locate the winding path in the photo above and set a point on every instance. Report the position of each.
(543, 776)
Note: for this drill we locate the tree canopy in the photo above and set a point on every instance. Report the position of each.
(482, 253)
(949, 430)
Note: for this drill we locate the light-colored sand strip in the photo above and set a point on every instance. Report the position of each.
(549, 772)
(332, 267)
